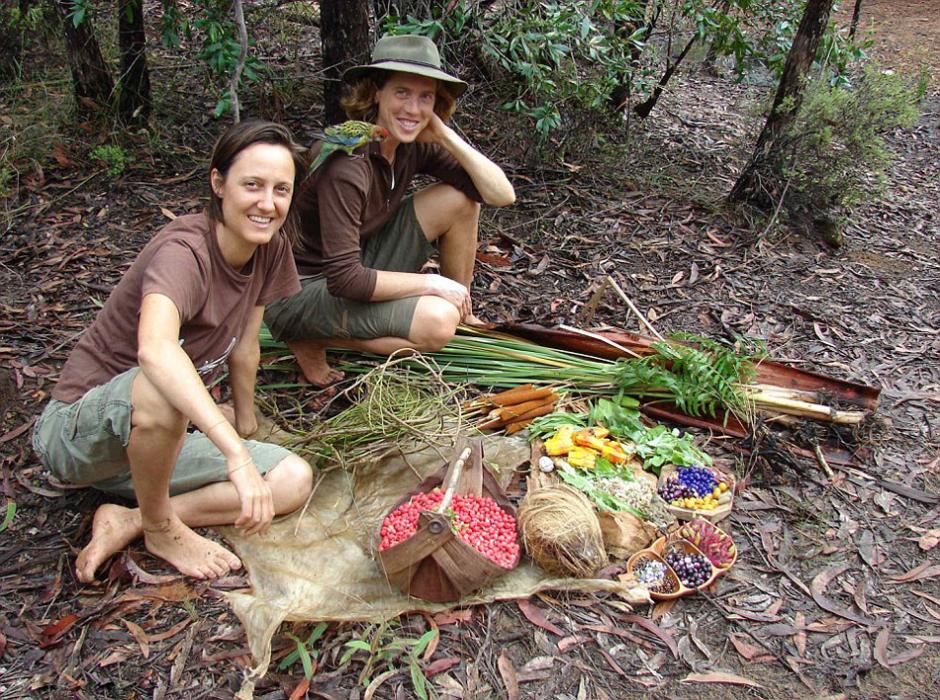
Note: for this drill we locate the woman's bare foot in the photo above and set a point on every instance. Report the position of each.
(192, 554)
(113, 528)
(311, 357)
(473, 320)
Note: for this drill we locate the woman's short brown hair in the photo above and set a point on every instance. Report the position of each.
(359, 97)
(240, 136)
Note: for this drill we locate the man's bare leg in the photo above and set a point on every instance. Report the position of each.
(115, 527)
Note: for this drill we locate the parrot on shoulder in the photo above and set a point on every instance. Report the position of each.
(347, 136)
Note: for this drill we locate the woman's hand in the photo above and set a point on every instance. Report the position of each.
(452, 291)
(435, 130)
(255, 495)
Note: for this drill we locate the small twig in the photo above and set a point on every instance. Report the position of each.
(773, 218)
(823, 464)
(598, 336)
(633, 308)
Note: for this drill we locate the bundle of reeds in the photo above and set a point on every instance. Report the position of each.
(701, 377)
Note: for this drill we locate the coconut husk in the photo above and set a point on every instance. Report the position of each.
(561, 532)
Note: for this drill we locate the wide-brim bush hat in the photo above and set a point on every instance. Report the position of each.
(408, 53)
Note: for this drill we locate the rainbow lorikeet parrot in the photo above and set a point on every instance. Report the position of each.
(347, 136)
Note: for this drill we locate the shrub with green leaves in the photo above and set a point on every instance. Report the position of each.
(574, 63)
(215, 27)
(565, 56)
(838, 140)
(113, 157)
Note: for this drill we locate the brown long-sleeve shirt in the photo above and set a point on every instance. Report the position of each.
(350, 199)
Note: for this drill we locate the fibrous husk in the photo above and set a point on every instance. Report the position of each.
(561, 532)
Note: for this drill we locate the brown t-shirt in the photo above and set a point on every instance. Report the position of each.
(183, 262)
(350, 198)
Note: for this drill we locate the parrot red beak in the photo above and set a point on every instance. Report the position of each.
(379, 133)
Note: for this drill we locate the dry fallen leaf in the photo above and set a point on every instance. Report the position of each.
(451, 617)
(137, 632)
(508, 673)
(929, 539)
(747, 650)
(652, 627)
(440, 665)
(922, 571)
(818, 587)
(572, 641)
(537, 617)
(720, 677)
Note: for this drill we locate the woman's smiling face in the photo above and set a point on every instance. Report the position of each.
(256, 192)
(405, 104)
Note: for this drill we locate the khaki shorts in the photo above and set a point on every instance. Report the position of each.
(314, 313)
(85, 443)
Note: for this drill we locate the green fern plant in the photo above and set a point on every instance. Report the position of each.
(702, 376)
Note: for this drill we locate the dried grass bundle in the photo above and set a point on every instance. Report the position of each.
(561, 532)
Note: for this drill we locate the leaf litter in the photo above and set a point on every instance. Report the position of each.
(811, 595)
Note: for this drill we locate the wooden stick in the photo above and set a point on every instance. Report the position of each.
(454, 478)
(542, 410)
(807, 410)
(598, 336)
(501, 417)
(632, 307)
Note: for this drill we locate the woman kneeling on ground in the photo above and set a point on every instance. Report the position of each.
(192, 300)
(362, 242)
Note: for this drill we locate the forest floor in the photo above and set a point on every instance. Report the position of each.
(837, 589)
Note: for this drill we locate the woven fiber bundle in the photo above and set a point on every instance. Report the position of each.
(561, 532)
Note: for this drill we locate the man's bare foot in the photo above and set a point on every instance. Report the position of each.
(192, 554)
(113, 528)
(311, 357)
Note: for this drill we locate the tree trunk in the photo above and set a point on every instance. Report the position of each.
(856, 13)
(786, 104)
(242, 57)
(91, 79)
(345, 36)
(643, 109)
(134, 83)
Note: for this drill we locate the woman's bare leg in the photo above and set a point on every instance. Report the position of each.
(115, 527)
(452, 219)
(432, 326)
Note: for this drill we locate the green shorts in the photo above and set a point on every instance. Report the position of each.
(314, 313)
(85, 443)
